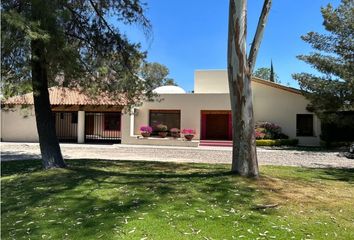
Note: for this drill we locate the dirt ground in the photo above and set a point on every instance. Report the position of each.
(24, 151)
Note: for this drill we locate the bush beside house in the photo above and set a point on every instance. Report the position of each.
(277, 142)
(270, 134)
(337, 129)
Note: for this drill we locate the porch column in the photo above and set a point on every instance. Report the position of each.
(81, 127)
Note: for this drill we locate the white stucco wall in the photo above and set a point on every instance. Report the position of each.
(211, 81)
(270, 104)
(18, 125)
(211, 93)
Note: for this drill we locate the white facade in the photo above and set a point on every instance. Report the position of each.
(272, 103)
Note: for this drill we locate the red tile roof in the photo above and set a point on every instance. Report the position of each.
(66, 96)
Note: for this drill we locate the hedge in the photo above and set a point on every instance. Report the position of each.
(277, 142)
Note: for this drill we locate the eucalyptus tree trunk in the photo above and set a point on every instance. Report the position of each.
(244, 155)
(48, 141)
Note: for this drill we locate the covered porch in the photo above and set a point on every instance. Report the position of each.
(88, 124)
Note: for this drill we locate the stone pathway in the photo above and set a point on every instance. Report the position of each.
(24, 151)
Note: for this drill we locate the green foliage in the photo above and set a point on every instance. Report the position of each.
(267, 130)
(82, 48)
(161, 128)
(97, 199)
(265, 73)
(277, 142)
(334, 90)
(170, 81)
(338, 127)
(156, 75)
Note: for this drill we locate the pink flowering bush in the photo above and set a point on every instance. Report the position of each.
(188, 131)
(260, 133)
(146, 129)
(267, 130)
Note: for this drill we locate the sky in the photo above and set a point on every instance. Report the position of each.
(192, 34)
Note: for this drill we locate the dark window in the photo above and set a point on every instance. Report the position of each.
(112, 121)
(74, 117)
(304, 125)
(170, 118)
(61, 116)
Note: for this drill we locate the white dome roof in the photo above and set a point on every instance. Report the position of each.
(169, 89)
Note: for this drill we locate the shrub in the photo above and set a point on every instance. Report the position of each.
(283, 136)
(146, 129)
(161, 128)
(277, 142)
(260, 133)
(337, 127)
(188, 131)
(267, 130)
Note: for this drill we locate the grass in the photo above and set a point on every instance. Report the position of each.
(96, 199)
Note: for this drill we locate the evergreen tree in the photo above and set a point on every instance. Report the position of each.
(266, 73)
(271, 77)
(334, 58)
(43, 39)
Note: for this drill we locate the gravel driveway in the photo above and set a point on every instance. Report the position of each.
(23, 151)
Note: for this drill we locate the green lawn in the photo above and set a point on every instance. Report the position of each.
(95, 199)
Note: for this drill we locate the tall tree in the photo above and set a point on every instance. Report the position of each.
(42, 40)
(334, 58)
(271, 78)
(265, 73)
(244, 156)
(156, 75)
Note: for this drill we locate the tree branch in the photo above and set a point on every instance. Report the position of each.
(259, 34)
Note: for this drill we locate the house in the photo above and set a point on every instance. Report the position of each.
(78, 118)
(207, 110)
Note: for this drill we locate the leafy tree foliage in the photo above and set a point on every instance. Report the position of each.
(156, 75)
(74, 44)
(80, 45)
(334, 58)
(265, 73)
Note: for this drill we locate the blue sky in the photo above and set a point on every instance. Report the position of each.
(192, 34)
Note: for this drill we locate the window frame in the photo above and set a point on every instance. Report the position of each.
(297, 125)
(168, 111)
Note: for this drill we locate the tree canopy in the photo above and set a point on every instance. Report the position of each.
(72, 44)
(156, 75)
(83, 48)
(265, 73)
(334, 58)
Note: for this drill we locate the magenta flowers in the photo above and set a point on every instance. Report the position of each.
(188, 131)
(146, 129)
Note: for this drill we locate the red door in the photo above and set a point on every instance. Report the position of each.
(216, 125)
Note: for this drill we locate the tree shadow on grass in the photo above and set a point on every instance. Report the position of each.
(18, 155)
(9, 168)
(92, 197)
(98, 198)
(335, 174)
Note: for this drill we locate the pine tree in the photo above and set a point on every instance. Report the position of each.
(334, 58)
(265, 74)
(271, 77)
(43, 39)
